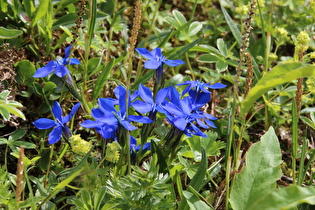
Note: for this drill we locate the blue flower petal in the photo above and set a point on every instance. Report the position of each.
(173, 62)
(146, 94)
(67, 51)
(91, 124)
(216, 86)
(128, 126)
(73, 111)
(61, 71)
(157, 53)
(44, 123)
(161, 95)
(144, 53)
(55, 135)
(74, 61)
(152, 64)
(140, 119)
(141, 106)
(180, 124)
(56, 109)
(44, 71)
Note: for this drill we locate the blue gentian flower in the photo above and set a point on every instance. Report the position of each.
(58, 66)
(149, 104)
(186, 115)
(156, 59)
(200, 86)
(108, 118)
(59, 124)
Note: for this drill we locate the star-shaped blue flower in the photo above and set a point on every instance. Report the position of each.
(108, 118)
(59, 124)
(148, 104)
(156, 59)
(187, 117)
(58, 66)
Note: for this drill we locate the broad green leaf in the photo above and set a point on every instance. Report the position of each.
(208, 58)
(17, 135)
(24, 72)
(9, 33)
(24, 144)
(194, 202)
(40, 11)
(222, 47)
(260, 174)
(286, 198)
(179, 17)
(49, 87)
(221, 65)
(280, 74)
(4, 112)
(194, 28)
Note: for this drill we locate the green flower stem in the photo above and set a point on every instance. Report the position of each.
(63, 152)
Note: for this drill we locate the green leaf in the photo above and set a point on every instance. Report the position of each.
(286, 198)
(260, 174)
(209, 58)
(5, 113)
(163, 168)
(40, 11)
(49, 87)
(194, 202)
(197, 180)
(24, 72)
(234, 29)
(222, 47)
(12, 110)
(179, 17)
(280, 74)
(102, 79)
(9, 33)
(17, 135)
(194, 28)
(99, 197)
(184, 49)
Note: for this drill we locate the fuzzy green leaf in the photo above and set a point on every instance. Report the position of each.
(280, 74)
(260, 174)
(286, 198)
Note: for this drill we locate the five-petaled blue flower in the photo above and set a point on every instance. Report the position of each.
(58, 66)
(59, 124)
(108, 118)
(156, 59)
